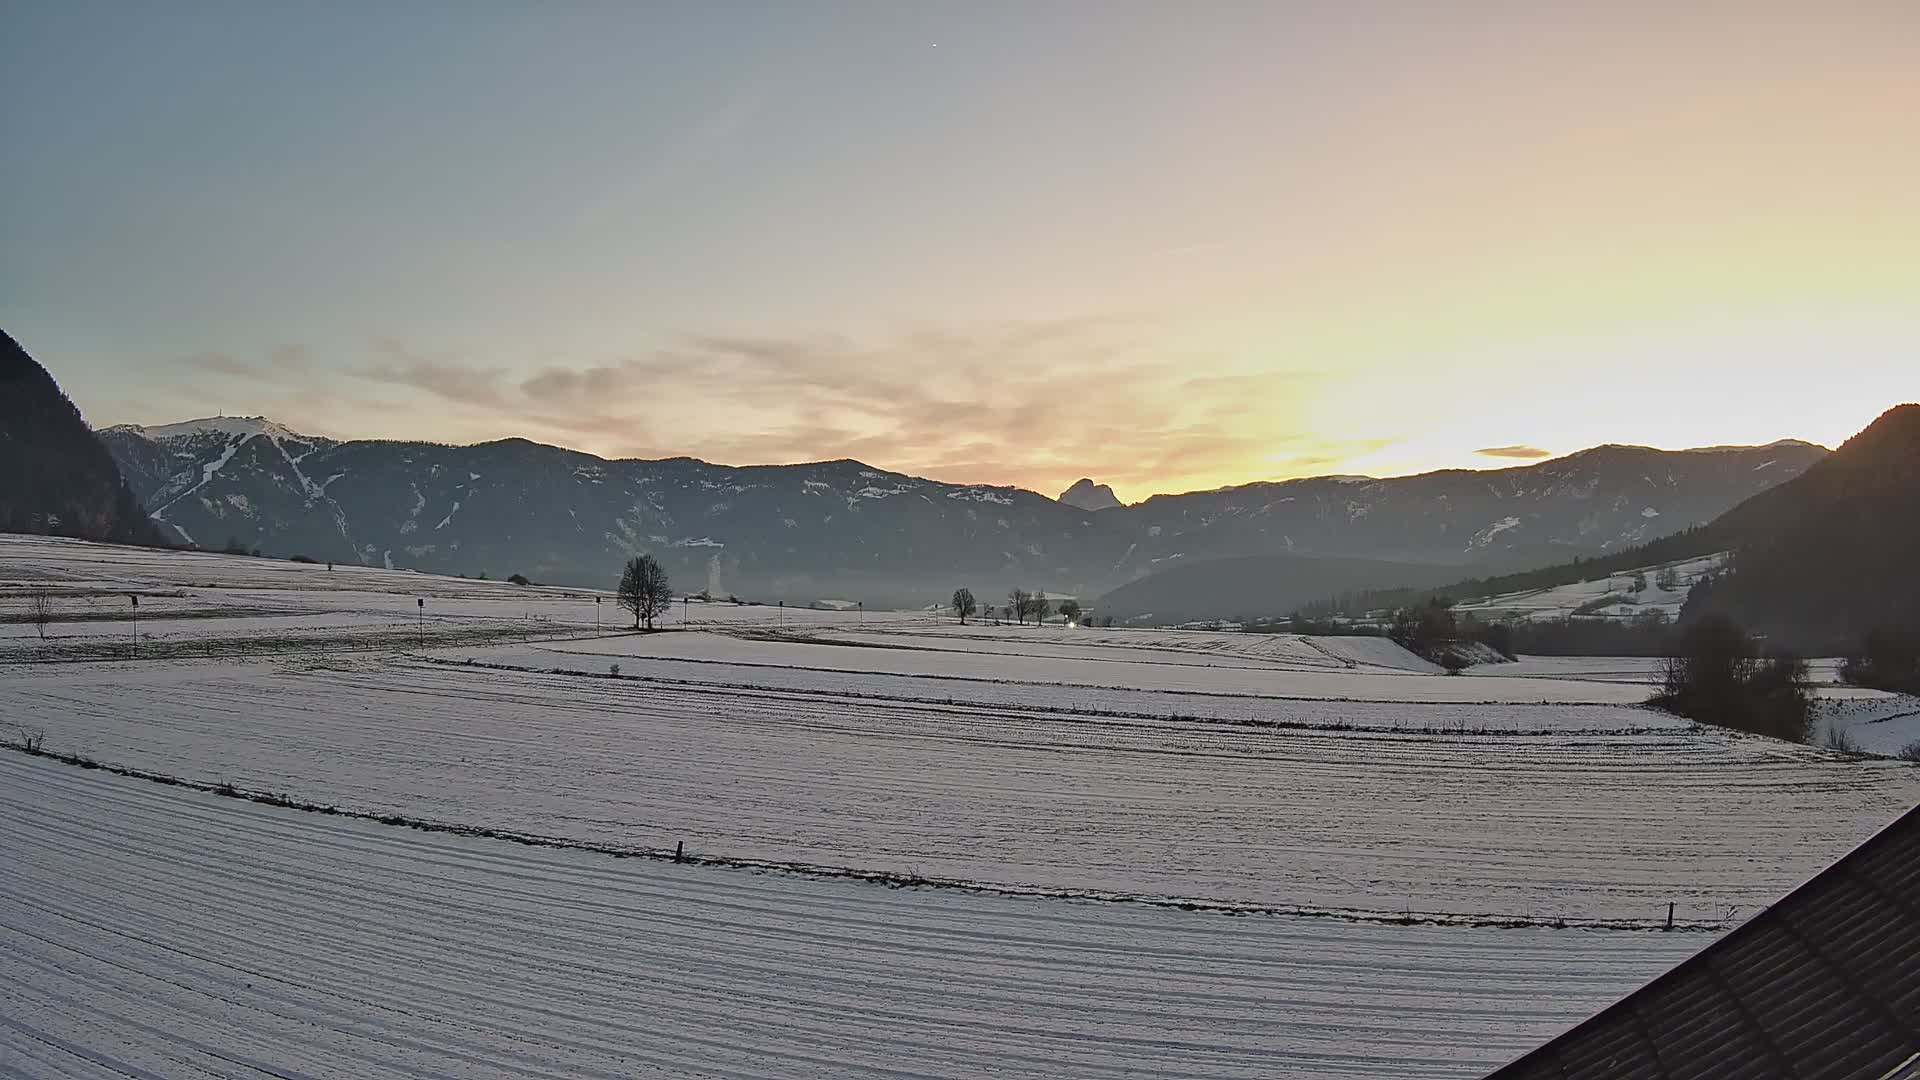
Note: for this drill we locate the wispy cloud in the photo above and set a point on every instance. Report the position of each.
(444, 377)
(280, 362)
(1520, 453)
(1035, 404)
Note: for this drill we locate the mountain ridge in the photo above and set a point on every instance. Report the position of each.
(845, 528)
(268, 426)
(1828, 556)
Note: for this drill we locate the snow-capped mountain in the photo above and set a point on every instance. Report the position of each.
(842, 528)
(799, 531)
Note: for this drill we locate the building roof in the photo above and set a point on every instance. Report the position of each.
(1825, 983)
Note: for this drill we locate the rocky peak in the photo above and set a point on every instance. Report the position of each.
(1087, 495)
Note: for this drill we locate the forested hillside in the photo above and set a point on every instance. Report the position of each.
(1832, 554)
(56, 479)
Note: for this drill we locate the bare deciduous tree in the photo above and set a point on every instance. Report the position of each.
(1020, 602)
(644, 590)
(40, 611)
(1070, 610)
(963, 604)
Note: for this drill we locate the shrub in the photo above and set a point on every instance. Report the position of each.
(613, 670)
(1842, 740)
(1425, 629)
(1607, 601)
(1496, 636)
(308, 559)
(1888, 659)
(518, 579)
(1717, 677)
(1909, 752)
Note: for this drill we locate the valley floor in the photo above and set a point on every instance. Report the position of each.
(157, 931)
(924, 849)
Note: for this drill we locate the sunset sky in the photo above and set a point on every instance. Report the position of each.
(1167, 246)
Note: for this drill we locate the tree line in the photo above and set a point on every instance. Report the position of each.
(1021, 606)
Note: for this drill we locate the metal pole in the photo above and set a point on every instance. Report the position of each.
(596, 615)
(422, 621)
(135, 597)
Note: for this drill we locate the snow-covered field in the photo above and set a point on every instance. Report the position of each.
(1634, 592)
(155, 931)
(1061, 794)
(1867, 721)
(1036, 660)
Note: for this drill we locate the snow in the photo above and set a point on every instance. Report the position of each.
(234, 427)
(1560, 602)
(208, 471)
(872, 492)
(1485, 536)
(985, 495)
(161, 931)
(1064, 790)
(445, 521)
(1873, 722)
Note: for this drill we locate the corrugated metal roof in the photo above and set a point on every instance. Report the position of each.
(1824, 984)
